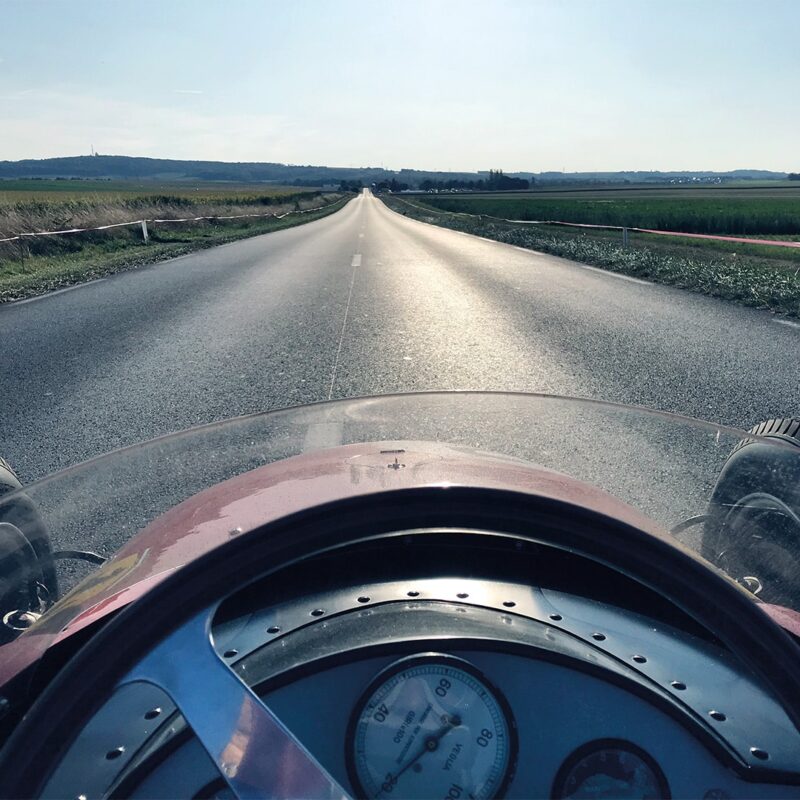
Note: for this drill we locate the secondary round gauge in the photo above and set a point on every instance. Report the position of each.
(431, 727)
(610, 769)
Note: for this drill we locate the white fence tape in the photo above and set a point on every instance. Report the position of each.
(18, 236)
(623, 228)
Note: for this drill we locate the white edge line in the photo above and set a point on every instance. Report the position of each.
(611, 274)
(52, 294)
(526, 250)
(787, 322)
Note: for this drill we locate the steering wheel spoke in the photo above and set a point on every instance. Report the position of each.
(255, 753)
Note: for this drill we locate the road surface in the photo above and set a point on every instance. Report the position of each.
(366, 302)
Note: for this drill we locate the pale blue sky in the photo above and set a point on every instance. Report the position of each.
(518, 85)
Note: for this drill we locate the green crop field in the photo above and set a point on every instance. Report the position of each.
(760, 210)
(13, 192)
(753, 190)
(690, 210)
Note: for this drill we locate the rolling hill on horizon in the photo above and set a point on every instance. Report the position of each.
(99, 167)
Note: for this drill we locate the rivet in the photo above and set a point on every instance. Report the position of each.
(317, 612)
(679, 685)
(509, 603)
(556, 617)
(230, 653)
(413, 594)
(115, 753)
(363, 599)
(640, 659)
(599, 637)
(462, 595)
(763, 755)
(152, 713)
(273, 629)
(717, 715)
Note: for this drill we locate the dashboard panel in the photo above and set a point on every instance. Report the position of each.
(597, 699)
(559, 713)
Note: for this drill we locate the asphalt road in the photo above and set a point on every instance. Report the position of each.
(366, 302)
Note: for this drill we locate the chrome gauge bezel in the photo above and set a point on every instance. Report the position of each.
(422, 659)
(587, 750)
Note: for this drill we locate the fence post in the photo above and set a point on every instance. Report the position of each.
(145, 234)
(22, 249)
(625, 239)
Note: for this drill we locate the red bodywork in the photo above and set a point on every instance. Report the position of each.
(245, 503)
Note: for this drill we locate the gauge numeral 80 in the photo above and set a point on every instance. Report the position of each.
(483, 739)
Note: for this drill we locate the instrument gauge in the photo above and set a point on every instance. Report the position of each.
(431, 726)
(610, 768)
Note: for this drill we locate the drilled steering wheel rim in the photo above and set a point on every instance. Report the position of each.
(655, 561)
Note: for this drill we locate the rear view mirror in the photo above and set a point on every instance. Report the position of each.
(28, 583)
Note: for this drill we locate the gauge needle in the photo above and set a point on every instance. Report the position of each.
(430, 744)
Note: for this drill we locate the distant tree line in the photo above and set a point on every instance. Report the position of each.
(351, 186)
(496, 181)
(794, 176)
(391, 186)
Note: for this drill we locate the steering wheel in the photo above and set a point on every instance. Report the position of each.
(164, 637)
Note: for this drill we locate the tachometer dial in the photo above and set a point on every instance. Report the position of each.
(610, 768)
(431, 727)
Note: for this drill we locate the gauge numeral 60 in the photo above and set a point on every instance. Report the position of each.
(443, 686)
(389, 783)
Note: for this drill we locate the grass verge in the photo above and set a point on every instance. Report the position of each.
(752, 275)
(102, 255)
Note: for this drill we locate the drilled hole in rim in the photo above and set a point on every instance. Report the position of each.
(273, 629)
(717, 715)
(640, 659)
(413, 594)
(509, 603)
(317, 612)
(763, 755)
(679, 685)
(599, 637)
(556, 617)
(230, 653)
(115, 753)
(363, 599)
(462, 595)
(152, 713)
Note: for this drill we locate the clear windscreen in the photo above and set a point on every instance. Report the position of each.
(667, 467)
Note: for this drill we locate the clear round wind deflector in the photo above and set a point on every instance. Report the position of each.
(665, 466)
